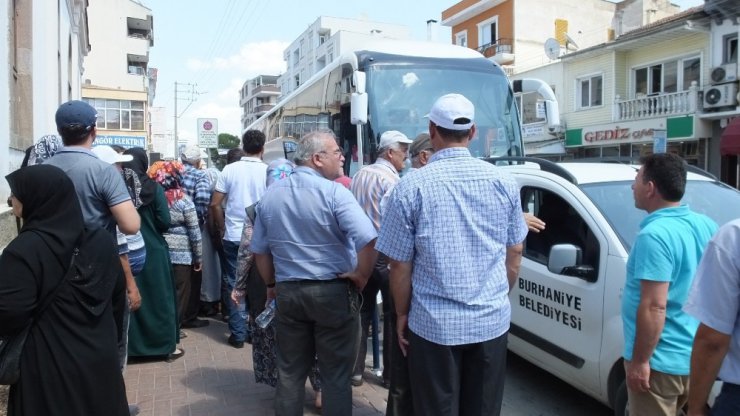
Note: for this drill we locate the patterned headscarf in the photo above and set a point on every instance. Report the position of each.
(279, 169)
(168, 173)
(44, 149)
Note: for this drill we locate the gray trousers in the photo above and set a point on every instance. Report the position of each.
(316, 319)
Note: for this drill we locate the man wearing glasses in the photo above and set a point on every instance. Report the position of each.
(314, 248)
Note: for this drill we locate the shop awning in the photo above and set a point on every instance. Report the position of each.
(730, 142)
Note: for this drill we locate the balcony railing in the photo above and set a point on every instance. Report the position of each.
(263, 108)
(268, 89)
(502, 45)
(675, 103)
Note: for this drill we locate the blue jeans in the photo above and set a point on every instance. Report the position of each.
(238, 313)
(728, 401)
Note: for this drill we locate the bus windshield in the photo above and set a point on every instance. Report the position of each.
(401, 95)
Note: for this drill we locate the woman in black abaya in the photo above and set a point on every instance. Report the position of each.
(69, 364)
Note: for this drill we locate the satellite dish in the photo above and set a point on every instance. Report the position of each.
(570, 42)
(552, 48)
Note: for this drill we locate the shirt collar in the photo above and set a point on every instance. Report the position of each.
(386, 163)
(678, 211)
(77, 149)
(250, 159)
(450, 152)
(307, 170)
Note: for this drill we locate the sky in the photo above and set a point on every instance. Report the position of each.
(212, 47)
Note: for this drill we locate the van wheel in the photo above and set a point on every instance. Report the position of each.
(620, 401)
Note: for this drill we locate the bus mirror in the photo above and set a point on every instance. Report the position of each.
(358, 79)
(358, 108)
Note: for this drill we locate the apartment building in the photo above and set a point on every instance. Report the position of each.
(326, 39)
(118, 80)
(257, 96)
(43, 45)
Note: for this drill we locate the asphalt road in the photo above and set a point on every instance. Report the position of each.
(530, 391)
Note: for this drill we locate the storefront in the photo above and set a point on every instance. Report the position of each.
(686, 136)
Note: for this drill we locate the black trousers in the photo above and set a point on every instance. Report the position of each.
(466, 380)
(193, 306)
(400, 401)
(378, 281)
(316, 319)
(182, 288)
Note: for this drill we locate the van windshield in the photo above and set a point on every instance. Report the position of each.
(401, 95)
(616, 202)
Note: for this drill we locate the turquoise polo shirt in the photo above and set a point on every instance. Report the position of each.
(668, 248)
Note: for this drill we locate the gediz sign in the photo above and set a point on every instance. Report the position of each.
(207, 132)
(623, 132)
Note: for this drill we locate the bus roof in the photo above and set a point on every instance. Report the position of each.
(416, 49)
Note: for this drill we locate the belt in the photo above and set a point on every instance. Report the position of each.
(313, 281)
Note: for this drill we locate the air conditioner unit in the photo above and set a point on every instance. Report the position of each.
(720, 95)
(724, 73)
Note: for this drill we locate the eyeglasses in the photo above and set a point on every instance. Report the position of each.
(336, 153)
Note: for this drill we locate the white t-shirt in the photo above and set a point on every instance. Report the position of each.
(243, 182)
(715, 296)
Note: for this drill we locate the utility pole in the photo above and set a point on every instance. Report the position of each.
(188, 89)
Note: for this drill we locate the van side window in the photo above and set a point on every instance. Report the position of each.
(563, 225)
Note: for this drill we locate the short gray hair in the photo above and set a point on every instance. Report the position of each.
(310, 144)
(393, 146)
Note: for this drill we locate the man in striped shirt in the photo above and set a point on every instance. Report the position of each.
(369, 186)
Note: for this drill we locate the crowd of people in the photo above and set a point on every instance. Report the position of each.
(128, 254)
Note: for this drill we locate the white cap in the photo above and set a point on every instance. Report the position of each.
(392, 136)
(191, 153)
(108, 155)
(450, 108)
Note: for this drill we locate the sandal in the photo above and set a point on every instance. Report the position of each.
(174, 355)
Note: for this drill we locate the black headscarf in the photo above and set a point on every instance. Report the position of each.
(139, 165)
(50, 207)
(52, 211)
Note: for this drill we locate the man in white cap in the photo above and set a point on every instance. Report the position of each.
(369, 186)
(197, 186)
(453, 233)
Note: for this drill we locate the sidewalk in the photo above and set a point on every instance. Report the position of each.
(216, 379)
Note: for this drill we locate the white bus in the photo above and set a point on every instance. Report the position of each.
(391, 85)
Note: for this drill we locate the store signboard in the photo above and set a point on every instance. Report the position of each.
(626, 132)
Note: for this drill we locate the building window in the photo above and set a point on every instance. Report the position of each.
(118, 114)
(461, 38)
(297, 79)
(729, 51)
(590, 91)
(667, 77)
(488, 32)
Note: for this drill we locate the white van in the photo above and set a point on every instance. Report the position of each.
(566, 305)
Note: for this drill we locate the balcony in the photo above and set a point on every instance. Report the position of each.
(501, 51)
(262, 109)
(265, 90)
(662, 105)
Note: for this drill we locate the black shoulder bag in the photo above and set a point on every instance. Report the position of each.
(11, 346)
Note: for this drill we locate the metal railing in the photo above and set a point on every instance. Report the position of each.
(502, 45)
(675, 103)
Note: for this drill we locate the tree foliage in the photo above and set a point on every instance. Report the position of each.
(226, 141)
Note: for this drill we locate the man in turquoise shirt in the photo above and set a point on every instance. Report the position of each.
(658, 335)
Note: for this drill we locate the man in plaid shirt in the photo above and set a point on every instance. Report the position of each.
(196, 184)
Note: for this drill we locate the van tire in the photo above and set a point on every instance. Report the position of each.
(620, 401)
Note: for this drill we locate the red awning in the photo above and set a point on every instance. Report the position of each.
(730, 142)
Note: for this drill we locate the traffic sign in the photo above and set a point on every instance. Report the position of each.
(207, 133)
